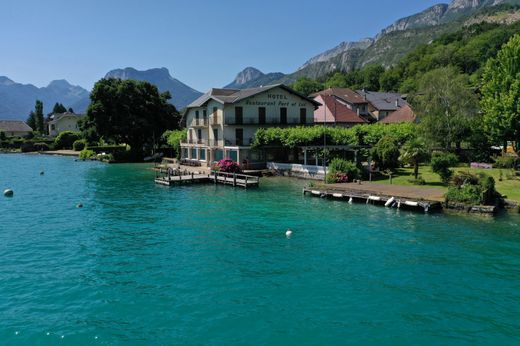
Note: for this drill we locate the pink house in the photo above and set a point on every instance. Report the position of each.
(336, 112)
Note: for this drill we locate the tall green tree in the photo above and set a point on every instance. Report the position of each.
(446, 106)
(38, 115)
(306, 86)
(337, 80)
(500, 100)
(130, 112)
(31, 120)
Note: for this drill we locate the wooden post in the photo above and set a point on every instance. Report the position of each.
(234, 179)
(246, 182)
(215, 176)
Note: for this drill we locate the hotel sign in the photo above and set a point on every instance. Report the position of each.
(279, 100)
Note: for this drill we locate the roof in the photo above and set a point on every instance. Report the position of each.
(14, 126)
(57, 116)
(230, 96)
(339, 112)
(346, 94)
(383, 101)
(404, 114)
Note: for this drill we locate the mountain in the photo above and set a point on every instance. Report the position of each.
(252, 77)
(399, 38)
(182, 95)
(17, 100)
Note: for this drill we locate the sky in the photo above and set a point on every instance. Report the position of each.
(204, 44)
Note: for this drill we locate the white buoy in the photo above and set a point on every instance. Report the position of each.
(351, 200)
(288, 233)
(8, 193)
(390, 201)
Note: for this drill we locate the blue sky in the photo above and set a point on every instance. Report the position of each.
(203, 43)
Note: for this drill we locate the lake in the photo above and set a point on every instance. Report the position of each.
(206, 264)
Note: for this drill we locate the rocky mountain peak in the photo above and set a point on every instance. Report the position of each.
(246, 75)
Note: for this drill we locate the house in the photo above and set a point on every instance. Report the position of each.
(222, 122)
(381, 104)
(15, 128)
(404, 114)
(335, 111)
(349, 97)
(63, 122)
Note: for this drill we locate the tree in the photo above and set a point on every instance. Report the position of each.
(130, 112)
(306, 86)
(337, 80)
(38, 114)
(371, 75)
(413, 153)
(501, 94)
(31, 120)
(386, 153)
(446, 107)
(441, 163)
(70, 110)
(58, 108)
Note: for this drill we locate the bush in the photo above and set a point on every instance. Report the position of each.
(40, 146)
(79, 145)
(341, 171)
(386, 153)
(66, 139)
(506, 161)
(472, 189)
(27, 146)
(86, 154)
(441, 163)
(227, 165)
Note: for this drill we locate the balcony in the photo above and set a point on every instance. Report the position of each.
(200, 122)
(267, 122)
(214, 120)
(195, 141)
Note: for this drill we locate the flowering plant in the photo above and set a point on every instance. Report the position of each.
(227, 165)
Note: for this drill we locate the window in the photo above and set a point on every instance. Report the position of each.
(239, 136)
(202, 154)
(303, 115)
(204, 113)
(283, 115)
(199, 135)
(193, 153)
(215, 136)
(196, 114)
(261, 115)
(239, 113)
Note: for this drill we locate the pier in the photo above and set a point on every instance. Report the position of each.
(422, 199)
(169, 177)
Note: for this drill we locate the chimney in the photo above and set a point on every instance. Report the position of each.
(396, 103)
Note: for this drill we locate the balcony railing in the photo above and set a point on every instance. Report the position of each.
(199, 122)
(214, 120)
(268, 121)
(195, 141)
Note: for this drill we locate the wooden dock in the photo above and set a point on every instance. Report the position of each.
(233, 179)
(375, 194)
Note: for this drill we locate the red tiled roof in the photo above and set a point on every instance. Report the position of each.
(335, 112)
(404, 114)
(346, 94)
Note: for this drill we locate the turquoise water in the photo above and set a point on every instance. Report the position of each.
(205, 264)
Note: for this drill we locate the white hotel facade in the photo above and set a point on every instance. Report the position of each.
(222, 122)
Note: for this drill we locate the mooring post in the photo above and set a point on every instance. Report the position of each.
(234, 179)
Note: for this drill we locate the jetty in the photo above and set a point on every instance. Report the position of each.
(169, 177)
(422, 199)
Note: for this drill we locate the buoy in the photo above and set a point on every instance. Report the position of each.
(411, 203)
(399, 204)
(42, 173)
(288, 233)
(390, 201)
(337, 195)
(350, 200)
(8, 193)
(79, 205)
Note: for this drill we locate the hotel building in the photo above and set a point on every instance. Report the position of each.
(222, 123)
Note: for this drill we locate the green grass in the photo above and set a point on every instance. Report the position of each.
(404, 176)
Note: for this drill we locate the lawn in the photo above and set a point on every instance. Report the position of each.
(404, 176)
